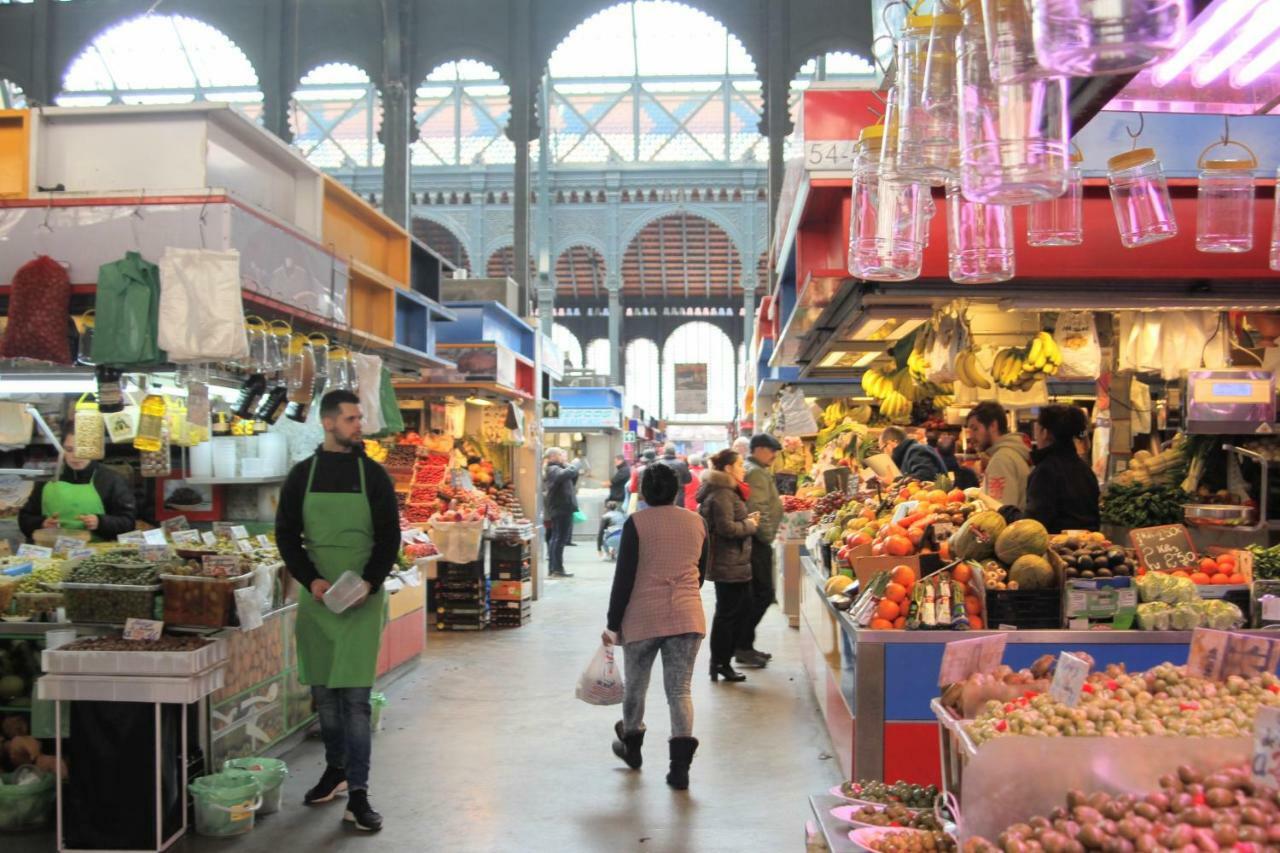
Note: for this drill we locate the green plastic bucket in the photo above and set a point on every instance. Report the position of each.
(226, 803)
(378, 704)
(25, 806)
(270, 773)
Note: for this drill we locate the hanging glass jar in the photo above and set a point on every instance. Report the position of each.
(886, 242)
(928, 113)
(1275, 227)
(1060, 221)
(1013, 136)
(90, 441)
(1140, 198)
(280, 333)
(1224, 201)
(84, 329)
(1011, 50)
(979, 239)
(1084, 38)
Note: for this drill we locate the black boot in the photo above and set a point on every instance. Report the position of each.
(627, 746)
(725, 671)
(682, 750)
(332, 783)
(750, 657)
(361, 813)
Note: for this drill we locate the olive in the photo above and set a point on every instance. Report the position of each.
(1197, 816)
(1226, 834)
(1147, 810)
(1091, 837)
(1146, 843)
(1220, 797)
(1189, 774)
(1086, 814)
(1254, 816)
(1128, 829)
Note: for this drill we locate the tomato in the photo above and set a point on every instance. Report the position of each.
(955, 496)
(1237, 579)
(877, 550)
(1221, 579)
(898, 546)
(1227, 564)
(1199, 578)
(1208, 565)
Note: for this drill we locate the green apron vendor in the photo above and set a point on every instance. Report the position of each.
(85, 496)
(338, 514)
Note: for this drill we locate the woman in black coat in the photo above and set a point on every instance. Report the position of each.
(722, 504)
(1062, 491)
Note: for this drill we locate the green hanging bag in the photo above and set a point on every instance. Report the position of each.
(392, 420)
(127, 312)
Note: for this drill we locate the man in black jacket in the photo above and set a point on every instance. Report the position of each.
(618, 482)
(913, 459)
(677, 464)
(559, 505)
(108, 511)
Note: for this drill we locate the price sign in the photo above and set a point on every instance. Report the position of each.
(246, 547)
(25, 550)
(173, 525)
(186, 537)
(209, 538)
(79, 553)
(221, 565)
(66, 544)
(1266, 747)
(1068, 679)
(222, 529)
(1166, 548)
(133, 537)
(264, 541)
(1220, 654)
(155, 537)
(154, 553)
(238, 532)
(963, 658)
(142, 629)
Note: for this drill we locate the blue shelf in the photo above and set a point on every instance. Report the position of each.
(417, 318)
(488, 322)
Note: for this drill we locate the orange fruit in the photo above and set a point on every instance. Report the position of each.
(1227, 564)
(1237, 579)
(1199, 578)
(962, 574)
(896, 592)
(887, 609)
(1220, 579)
(1208, 565)
(900, 623)
(937, 496)
(898, 546)
(1179, 574)
(881, 625)
(975, 622)
(903, 575)
(972, 606)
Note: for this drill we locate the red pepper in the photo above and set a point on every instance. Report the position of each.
(1002, 725)
(1112, 684)
(1274, 688)
(1188, 706)
(1008, 707)
(1086, 688)
(1030, 694)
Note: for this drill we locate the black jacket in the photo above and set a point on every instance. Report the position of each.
(121, 514)
(679, 466)
(722, 507)
(618, 483)
(337, 472)
(1062, 491)
(918, 460)
(558, 489)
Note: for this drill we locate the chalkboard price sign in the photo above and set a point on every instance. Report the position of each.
(1166, 548)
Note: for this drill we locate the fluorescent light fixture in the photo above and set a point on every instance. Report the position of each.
(885, 323)
(1264, 21)
(479, 401)
(1223, 20)
(34, 385)
(1263, 62)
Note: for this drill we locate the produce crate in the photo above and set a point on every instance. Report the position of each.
(111, 688)
(109, 604)
(508, 552)
(1024, 608)
(511, 571)
(511, 591)
(60, 662)
(202, 602)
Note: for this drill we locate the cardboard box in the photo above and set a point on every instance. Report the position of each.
(512, 590)
(1112, 602)
(407, 600)
(866, 568)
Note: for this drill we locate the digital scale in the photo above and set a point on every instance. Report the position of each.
(1231, 401)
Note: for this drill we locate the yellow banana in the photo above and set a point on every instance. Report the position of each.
(1052, 350)
(1037, 348)
(976, 373)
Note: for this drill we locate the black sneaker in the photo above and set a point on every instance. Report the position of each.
(560, 574)
(332, 783)
(360, 813)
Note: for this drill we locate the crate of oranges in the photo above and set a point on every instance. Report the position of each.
(948, 599)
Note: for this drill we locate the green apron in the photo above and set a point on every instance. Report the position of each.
(68, 501)
(338, 649)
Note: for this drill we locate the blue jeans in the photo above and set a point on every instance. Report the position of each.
(347, 729)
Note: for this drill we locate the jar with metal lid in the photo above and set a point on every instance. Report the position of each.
(1083, 38)
(928, 113)
(1140, 198)
(90, 441)
(979, 239)
(885, 239)
(1060, 221)
(1224, 201)
(1013, 136)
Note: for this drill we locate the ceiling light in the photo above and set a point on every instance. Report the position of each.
(1259, 65)
(1223, 20)
(479, 401)
(30, 385)
(1264, 22)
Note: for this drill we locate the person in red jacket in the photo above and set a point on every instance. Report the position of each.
(696, 467)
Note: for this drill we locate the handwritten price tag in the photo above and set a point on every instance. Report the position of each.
(79, 553)
(1219, 654)
(1068, 679)
(154, 553)
(209, 538)
(173, 525)
(962, 658)
(238, 532)
(133, 537)
(264, 541)
(66, 544)
(1266, 747)
(155, 537)
(143, 629)
(186, 537)
(221, 565)
(36, 551)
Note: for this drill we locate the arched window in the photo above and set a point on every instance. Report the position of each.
(579, 272)
(653, 81)
(502, 264)
(698, 343)
(11, 96)
(568, 345)
(641, 376)
(441, 239)
(461, 112)
(162, 59)
(335, 113)
(829, 67)
(597, 356)
(681, 255)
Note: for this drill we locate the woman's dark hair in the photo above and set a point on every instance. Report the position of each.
(1064, 423)
(722, 460)
(659, 485)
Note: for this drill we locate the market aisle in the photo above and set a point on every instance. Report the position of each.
(487, 750)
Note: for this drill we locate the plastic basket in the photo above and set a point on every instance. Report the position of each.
(226, 803)
(1025, 609)
(72, 662)
(270, 773)
(200, 601)
(26, 806)
(109, 688)
(109, 604)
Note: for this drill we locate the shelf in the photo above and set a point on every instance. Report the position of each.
(241, 481)
(15, 152)
(371, 305)
(15, 709)
(358, 231)
(462, 387)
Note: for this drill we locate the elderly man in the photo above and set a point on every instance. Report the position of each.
(559, 504)
(675, 463)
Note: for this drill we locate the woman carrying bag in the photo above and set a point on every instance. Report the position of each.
(656, 606)
(722, 503)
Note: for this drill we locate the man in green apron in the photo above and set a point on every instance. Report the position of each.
(85, 496)
(338, 514)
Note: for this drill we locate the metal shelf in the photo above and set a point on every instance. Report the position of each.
(243, 481)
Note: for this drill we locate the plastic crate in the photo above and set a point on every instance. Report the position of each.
(60, 662)
(137, 688)
(202, 602)
(109, 604)
(1026, 609)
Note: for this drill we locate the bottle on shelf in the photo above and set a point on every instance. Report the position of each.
(250, 392)
(150, 435)
(273, 404)
(110, 390)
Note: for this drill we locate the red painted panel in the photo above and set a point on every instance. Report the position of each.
(837, 114)
(384, 653)
(911, 752)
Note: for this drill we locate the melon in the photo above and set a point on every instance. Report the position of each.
(1027, 536)
(976, 538)
(838, 584)
(1031, 571)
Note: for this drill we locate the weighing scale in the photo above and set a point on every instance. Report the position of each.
(1231, 401)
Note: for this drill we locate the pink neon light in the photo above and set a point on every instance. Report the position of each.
(1256, 67)
(1264, 21)
(1224, 18)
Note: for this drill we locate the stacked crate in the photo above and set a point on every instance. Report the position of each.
(462, 595)
(511, 594)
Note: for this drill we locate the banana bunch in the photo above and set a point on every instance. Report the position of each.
(860, 414)
(918, 359)
(1043, 355)
(875, 383)
(896, 407)
(896, 392)
(969, 371)
(834, 413)
(1018, 368)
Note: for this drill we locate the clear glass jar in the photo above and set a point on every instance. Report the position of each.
(1013, 136)
(886, 242)
(1011, 48)
(1140, 198)
(1083, 38)
(928, 110)
(1224, 204)
(1060, 221)
(979, 239)
(1275, 228)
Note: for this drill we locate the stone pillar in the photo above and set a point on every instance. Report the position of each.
(615, 331)
(521, 130)
(777, 95)
(546, 302)
(397, 113)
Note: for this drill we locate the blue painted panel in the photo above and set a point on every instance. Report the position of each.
(587, 398)
(911, 669)
(480, 322)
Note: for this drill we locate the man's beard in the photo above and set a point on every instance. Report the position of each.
(351, 442)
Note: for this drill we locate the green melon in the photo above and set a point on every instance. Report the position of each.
(976, 538)
(1027, 536)
(1031, 571)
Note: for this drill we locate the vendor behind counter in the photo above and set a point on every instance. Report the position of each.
(86, 496)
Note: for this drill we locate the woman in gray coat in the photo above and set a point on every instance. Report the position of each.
(722, 503)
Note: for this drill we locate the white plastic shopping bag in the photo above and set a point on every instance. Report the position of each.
(601, 682)
(1077, 337)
